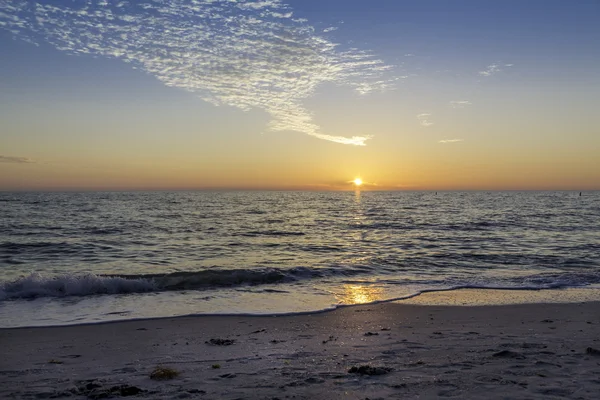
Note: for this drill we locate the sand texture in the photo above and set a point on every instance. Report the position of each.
(385, 351)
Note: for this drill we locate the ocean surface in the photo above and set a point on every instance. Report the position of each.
(69, 258)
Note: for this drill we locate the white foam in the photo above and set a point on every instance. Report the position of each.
(38, 285)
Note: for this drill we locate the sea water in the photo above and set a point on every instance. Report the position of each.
(68, 258)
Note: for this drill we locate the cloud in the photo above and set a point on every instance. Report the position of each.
(330, 29)
(493, 69)
(424, 119)
(460, 103)
(451, 140)
(246, 54)
(16, 160)
(490, 70)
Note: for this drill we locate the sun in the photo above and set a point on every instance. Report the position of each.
(358, 181)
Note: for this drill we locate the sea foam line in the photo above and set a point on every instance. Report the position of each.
(296, 313)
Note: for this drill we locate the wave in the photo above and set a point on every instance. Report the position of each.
(42, 250)
(86, 284)
(104, 231)
(557, 280)
(38, 285)
(270, 233)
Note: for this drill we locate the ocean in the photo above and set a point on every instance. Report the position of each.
(71, 258)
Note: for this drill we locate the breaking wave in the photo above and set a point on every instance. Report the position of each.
(87, 284)
(38, 285)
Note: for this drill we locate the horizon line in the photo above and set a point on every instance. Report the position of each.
(241, 189)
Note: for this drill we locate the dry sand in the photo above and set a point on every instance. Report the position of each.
(399, 351)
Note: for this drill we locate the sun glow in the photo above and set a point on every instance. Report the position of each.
(358, 181)
(360, 294)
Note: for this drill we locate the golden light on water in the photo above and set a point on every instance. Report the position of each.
(359, 294)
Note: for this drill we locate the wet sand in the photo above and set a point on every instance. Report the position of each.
(382, 351)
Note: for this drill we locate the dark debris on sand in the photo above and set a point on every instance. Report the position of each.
(592, 351)
(163, 373)
(220, 342)
(369, 370)
(508, 354)
(93, 389)
(330, 339)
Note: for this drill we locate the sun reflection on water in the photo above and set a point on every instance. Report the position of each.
(360, 294)
(357, 195)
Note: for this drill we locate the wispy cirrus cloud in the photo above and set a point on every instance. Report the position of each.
(424, 119)
(451, 140)
(246, 54)
(460, 103)
(16, 160)
(490, 70)
(493, 69)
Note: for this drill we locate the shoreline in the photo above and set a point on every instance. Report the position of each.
(460, 296)
(396, 350)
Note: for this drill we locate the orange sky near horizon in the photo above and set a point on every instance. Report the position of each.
(381, 171)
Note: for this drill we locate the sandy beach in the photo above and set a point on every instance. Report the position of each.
(379, 351)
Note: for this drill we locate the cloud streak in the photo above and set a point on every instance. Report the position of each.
(424, 119)
(460, 103)
(245, 54)
(493, 69)
(451, 141)
(16, 160)
(490, 70)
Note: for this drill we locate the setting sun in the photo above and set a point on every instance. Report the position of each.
(358, 181)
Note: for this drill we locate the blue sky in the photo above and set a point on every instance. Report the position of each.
(411, 80)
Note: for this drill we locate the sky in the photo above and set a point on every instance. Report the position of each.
(300, 94)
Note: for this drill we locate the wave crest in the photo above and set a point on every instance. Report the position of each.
(86, 284)
(38, 285)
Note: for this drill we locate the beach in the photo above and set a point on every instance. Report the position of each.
(376, 351)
